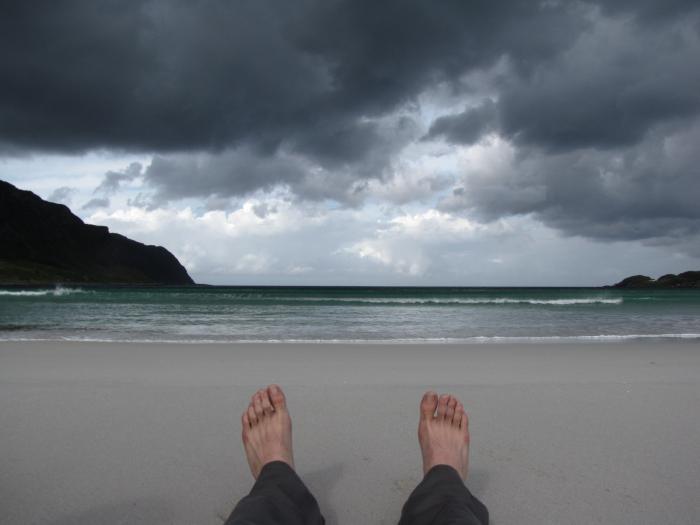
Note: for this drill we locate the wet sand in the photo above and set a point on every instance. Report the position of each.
(561, 433)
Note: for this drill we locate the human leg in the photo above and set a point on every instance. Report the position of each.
(279, 496)
(442, 498)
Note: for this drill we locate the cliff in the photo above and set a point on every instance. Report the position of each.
(682, 280)
(43, 242)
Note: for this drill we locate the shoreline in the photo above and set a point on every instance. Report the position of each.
(561, 433)
(476, 340)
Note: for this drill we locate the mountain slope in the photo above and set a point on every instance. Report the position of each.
(43, 242)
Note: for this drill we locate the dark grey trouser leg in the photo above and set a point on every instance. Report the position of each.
(279, 497)
(443, 499)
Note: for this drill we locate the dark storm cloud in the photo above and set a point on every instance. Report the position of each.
(613, 87)
(242, 171)
(650, 10)
(617, 82)
(466, 127)
(237, 96)
(647, 191)
(175, 76)
(245, 169)
(605, 134)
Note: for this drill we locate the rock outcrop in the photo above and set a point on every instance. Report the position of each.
(43, 242)
(682, 280)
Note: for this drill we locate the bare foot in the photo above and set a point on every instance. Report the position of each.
(443, 433)
(267, 429)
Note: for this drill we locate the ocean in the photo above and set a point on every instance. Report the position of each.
(230, 314)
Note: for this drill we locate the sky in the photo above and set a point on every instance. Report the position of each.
(355, 142)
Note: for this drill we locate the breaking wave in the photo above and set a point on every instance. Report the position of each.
(494, 300)
(55, 292)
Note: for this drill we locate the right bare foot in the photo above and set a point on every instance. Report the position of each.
(267, 429)
(443, 433)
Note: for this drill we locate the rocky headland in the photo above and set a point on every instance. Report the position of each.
(44, 243)
(670, 280)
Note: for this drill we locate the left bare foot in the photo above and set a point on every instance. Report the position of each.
(267, 429)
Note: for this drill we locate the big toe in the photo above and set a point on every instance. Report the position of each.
(428, 404)
(277, 397)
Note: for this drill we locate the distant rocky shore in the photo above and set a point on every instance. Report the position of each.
(670, 280)
(44, 243)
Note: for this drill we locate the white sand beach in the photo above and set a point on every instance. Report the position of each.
(150, 433)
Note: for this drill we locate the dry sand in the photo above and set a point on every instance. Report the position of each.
(561, 434)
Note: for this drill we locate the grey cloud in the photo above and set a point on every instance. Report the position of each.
(62, 195)
(95, 203)
(263, 209)
(226, 174)
(220, 203)
(648, 191)
(399, 192)
(616, 83)
(614, 86)
(113, 179)
(466, 127)
(605, 135)
(242, 171)
(143, 200)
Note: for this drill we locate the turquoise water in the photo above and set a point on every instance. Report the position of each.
(237, 314)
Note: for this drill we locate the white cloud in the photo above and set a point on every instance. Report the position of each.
(271, 237)
(413, 243)
(395, 255)
(248, 263)
(433, 225)
(258, 217)
(263, 237)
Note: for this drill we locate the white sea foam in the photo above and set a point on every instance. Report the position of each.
(494, 300)
(60, 291)
(56, 292)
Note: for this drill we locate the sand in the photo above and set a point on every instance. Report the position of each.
(561, 434)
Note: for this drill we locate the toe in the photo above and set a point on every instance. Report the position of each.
(450, 412)
(245, 427)
(442, 406)
(252, 417)
(266, 404)
(279, 401)
(459, 413)
(257, 405)
(428, 405)
(464, 424)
